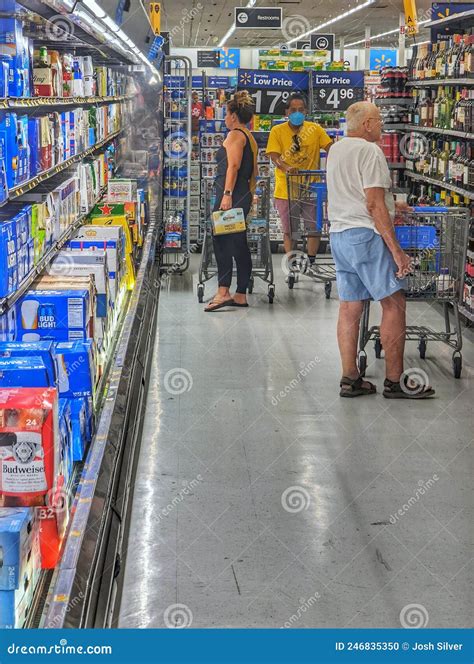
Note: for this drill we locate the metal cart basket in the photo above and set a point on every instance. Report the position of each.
(307, 199)
(436, 239)
(258, 236)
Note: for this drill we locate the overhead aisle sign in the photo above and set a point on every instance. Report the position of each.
(261, 18)
(337, 90)
(155, 17)
(411, 19)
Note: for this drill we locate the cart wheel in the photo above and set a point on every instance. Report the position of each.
(362, 362)
(250, 286)
(327, 289)
(422, 348)
(378, 349)
(457, 366)
(271, 293)
(201, 293)
(291, 280)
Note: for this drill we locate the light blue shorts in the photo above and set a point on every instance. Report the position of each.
(365, 268)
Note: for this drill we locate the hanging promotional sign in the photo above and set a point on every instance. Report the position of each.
(272, 80)
(218, 82)
(336, 91)
(262, 18)
(322, 42)
(230, 58)
(155, 17)
(208, 59)
(440, 10)
(411, 19)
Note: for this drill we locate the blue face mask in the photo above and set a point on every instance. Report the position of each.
(296, 118)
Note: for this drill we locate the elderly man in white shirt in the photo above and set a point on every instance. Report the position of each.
(370, 264)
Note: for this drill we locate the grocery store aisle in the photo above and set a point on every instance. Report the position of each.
(264, 500)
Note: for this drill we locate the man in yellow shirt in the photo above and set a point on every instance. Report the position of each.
(295, 146)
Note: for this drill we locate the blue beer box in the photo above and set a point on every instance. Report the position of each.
(75, 368)
(8, 257)
(8, 133)
(79, 430)
(65, 438)
(24, 372)
(35, 146)
(42, 349)
(16, 541)
(57, 315)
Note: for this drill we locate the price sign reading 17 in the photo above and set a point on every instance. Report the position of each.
(270, 102)
(336, 99)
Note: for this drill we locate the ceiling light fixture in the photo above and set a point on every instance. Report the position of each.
(349, 12)
(95, 8)
(231, 30)
(382, 34)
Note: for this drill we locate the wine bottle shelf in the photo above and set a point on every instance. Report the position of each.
(466, 82)
(445, 132)
(440, 183)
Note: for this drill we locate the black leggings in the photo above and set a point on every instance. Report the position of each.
(231, 246)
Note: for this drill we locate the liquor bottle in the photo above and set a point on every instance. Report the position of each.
(417, 110)
(450, 171)
(470, 178)
(443, 161)
(465, 167)
(439, 58)
(434, 153)
(424, 109)
(459, 165)
(436, 107)
(444, 110)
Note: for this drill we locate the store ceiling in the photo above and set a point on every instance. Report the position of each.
(203, 23)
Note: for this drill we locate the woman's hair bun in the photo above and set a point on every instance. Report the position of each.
(243, 99)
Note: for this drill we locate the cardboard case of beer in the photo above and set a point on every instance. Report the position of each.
(18, 540)
(42, 349)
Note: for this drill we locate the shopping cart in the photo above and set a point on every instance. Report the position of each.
(436, 239)
(258, 236)
(307, 199)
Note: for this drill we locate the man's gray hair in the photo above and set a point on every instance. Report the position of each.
(357, 113)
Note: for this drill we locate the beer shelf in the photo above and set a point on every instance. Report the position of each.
(440, 183)
(24, 187)
(445, 132)
(43, 263)
(441, 81)
(27, 103)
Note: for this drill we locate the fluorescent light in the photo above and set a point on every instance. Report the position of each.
(230, 31)
(333, 20)
(383, 34)
(110, 24)
(95, 8)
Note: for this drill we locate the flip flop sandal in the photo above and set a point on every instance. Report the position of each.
(218, 305)
(237, 304)
(393, 390)
(356, 387)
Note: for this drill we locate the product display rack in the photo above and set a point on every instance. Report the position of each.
(468, 81)
(444, 132)
(24, 187)
(439, 183)
(49, 102)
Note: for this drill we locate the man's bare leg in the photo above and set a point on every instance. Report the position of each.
(348, 336)
(392, 334)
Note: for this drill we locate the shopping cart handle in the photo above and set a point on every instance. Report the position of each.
(430, 209)
(309, 172)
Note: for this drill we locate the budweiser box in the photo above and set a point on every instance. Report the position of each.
(28, 445)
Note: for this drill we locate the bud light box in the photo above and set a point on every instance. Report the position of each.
(60, 315)
(28, 447)
(76, 375)
(42, 349)
(17, 539)
(23, 372)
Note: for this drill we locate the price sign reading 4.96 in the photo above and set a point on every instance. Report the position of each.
(270, 102)
(336, 91)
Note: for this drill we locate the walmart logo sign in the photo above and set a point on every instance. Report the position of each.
(382, 57)
(230, 58)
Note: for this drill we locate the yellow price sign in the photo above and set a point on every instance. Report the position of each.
(411, 18)
(155, 17)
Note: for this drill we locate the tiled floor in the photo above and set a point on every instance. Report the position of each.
(263, 499)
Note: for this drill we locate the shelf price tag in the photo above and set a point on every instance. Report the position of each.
(336, 91)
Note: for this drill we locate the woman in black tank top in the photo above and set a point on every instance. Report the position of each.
(236, 172)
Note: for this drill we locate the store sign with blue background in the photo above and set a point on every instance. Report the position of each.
(383, 57)
(441, 10)
(272, 80)
(338, 79)
(230, 58)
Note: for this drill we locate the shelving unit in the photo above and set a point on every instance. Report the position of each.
(441, 81)
(440, 183)
(394, 101)
(24, 187)
(444, 132)
(50, 102)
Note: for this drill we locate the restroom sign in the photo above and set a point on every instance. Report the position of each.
(155, 17)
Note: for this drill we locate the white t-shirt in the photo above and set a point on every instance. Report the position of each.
(354, 164)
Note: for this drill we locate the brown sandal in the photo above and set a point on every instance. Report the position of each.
(354, 387)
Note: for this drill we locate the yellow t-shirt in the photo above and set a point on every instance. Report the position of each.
(312, 139)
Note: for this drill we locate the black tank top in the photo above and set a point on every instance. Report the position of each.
(241, 196)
